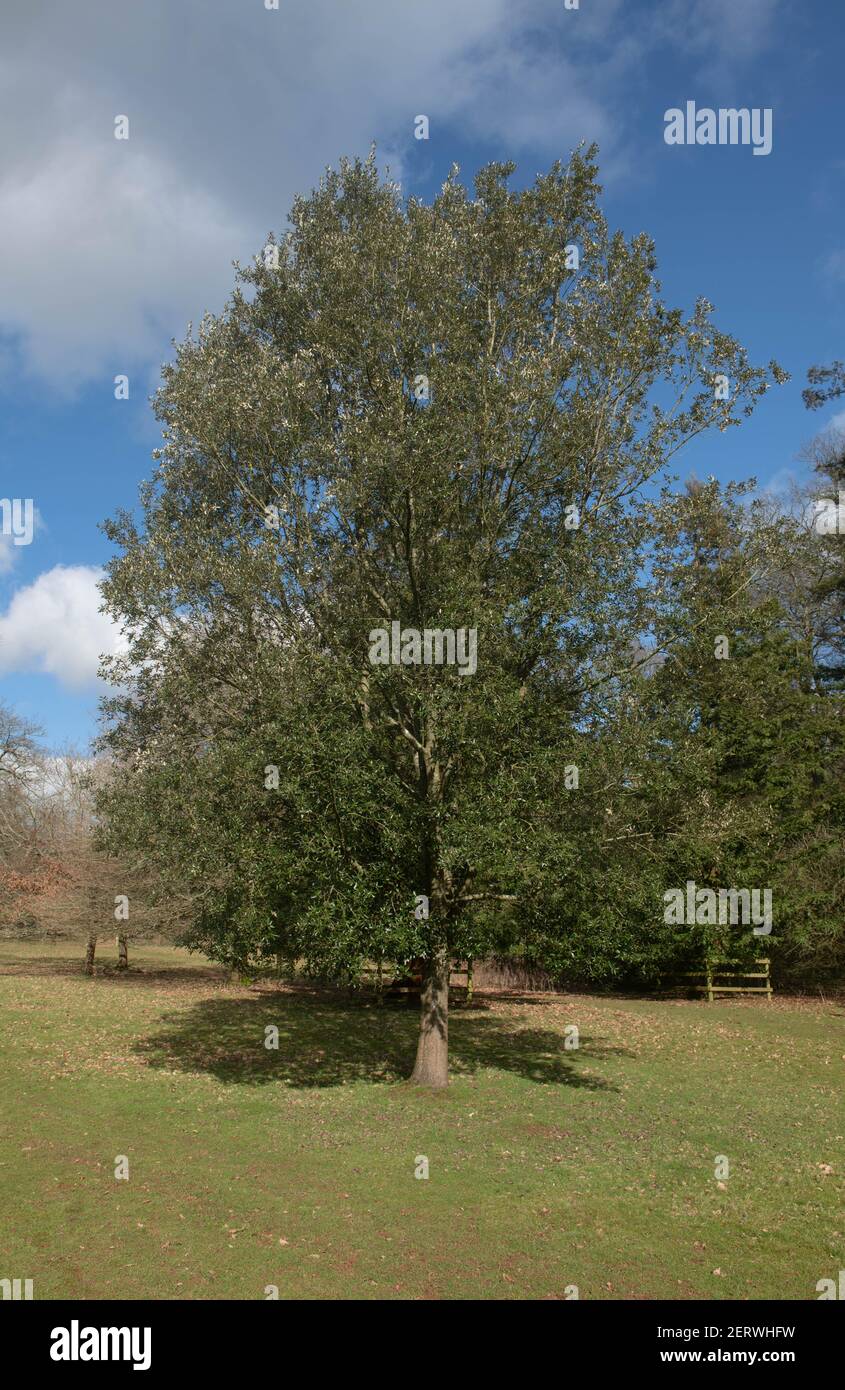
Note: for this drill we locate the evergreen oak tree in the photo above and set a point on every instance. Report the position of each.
(444, 417)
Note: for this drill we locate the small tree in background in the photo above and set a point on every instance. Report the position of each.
(74, 890)
(827, 454)
(19, 752)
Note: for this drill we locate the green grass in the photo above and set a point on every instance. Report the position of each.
(295, 1167)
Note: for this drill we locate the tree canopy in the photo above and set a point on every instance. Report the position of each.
(447, 418)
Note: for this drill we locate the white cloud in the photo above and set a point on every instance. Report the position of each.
(722, 33)
(53, 626)
(782, 483)
(833, 265)
(108, 247)
(104, 253)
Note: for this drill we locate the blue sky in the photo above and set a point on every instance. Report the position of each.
(110, 247)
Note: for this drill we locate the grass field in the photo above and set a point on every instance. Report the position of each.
(548, 1167)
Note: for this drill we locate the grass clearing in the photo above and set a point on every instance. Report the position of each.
(548, 1167)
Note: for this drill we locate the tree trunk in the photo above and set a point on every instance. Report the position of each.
(122, 953)
(469, 981)
(432, 1064)
(89, 954)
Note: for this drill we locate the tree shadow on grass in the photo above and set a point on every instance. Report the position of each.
(106, 970)
(12, 964)
(327, 1040)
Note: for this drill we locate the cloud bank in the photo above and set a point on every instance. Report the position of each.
(108, 247)
(54, 626)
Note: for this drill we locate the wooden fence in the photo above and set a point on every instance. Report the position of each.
(717, 970)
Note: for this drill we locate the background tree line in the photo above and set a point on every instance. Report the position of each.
(55, 881)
